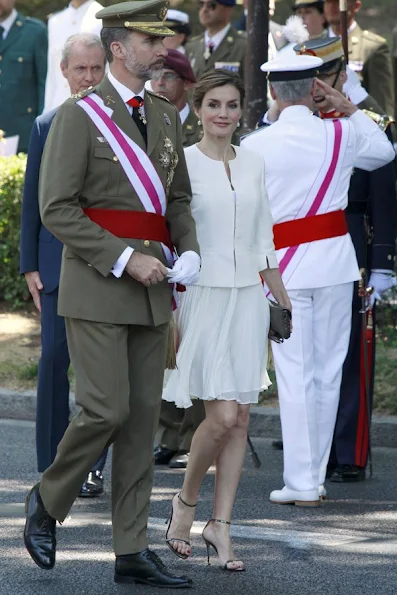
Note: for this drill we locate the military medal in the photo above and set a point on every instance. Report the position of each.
(142, 114)
(165, 159)
(167, 120)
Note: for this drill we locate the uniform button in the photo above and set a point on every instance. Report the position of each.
(389, 257)
(30, 110)
(146, 243)
(20, 59)
(115, 159)
(90, 265)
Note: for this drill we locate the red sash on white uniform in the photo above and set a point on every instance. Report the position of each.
(320, 195)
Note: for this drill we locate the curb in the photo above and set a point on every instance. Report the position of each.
(264, 422)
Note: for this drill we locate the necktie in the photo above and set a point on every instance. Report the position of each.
(137, 115)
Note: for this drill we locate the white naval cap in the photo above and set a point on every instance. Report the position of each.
(177, 16)
(292, 68)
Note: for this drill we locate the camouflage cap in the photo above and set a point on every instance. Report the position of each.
(146, 16)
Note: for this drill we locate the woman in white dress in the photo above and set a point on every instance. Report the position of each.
(223, 320)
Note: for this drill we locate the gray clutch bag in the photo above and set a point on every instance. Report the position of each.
(280, 322)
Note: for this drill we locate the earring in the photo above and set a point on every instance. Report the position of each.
(238, 124)
(199, 122)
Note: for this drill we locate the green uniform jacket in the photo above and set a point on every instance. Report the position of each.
(80, 170)
(394, 59)
(230, 53)
(23, 70)
(370, 57)
(192, 131)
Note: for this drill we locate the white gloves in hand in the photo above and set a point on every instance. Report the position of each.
(381, 282)
(353, 87)
(186, 269)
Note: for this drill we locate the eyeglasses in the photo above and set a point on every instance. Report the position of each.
(326, 75)
(168, 77)
(210, 5)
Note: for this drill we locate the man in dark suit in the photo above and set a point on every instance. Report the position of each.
(83, 65)
(23, 61)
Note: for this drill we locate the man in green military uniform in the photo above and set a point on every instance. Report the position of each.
(117, 215)
(177, 426)
(174, 83)
(221, 45)
(369, 54)
(23, 70)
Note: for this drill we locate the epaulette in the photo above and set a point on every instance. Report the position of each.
(83, 93)
(157, 95)
(382, 121)
(374, 37)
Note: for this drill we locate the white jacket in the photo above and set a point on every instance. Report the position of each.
(293, 149)
(61, 26)
(234, 228)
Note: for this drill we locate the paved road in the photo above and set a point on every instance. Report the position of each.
(346, 547)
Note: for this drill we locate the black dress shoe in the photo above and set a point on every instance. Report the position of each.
(330, 470)
(39, 533)
(163, 455)
(180, 460)
(147, 568)
(348, 474)
(93, 485)
(277, 445)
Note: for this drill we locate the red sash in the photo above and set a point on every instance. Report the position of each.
(309, 229)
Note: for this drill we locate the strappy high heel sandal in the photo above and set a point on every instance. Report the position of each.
(209, 544)
(169, 540)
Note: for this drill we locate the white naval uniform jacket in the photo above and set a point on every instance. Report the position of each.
(61, 26)
(234, 228)
(294, 149)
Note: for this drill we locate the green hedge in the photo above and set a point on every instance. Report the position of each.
(13, 289)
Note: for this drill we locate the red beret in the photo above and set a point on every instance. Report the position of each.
(177, 61)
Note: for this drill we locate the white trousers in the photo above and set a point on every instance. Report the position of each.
(309, 372)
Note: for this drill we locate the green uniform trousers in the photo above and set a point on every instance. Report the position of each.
(177, 426)
(119, 377)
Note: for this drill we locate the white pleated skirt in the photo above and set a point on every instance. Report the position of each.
(223, 344)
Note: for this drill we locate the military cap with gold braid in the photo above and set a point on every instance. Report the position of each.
(330, 50)
(145, 16)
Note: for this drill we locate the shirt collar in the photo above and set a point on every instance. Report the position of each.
(294, 112)
(331, 33)
(8, 23)
(125, 93)
(218, 37)
(183, 114)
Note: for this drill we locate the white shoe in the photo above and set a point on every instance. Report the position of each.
(322, 492)
(286, 496)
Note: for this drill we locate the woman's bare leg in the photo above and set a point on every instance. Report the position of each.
(229, 464)
(207, 443)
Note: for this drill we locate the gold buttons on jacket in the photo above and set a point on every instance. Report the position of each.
(30, 109)
(115, 159)
(20, 59)
(146, 243)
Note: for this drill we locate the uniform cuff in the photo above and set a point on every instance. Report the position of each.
(121, 262)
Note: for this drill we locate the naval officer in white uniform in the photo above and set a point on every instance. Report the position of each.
(78, 17)
(308, 164)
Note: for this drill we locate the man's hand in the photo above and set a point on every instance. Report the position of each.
(380, 282)
(35, 286)
(186, 269)
(148, 270)
(327, 98)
